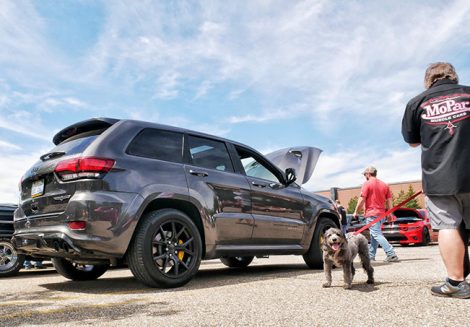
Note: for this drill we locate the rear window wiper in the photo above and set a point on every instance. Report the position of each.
(51, 155)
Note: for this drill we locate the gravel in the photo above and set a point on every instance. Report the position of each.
(279, 291)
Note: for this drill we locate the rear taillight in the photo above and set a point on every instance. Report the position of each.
(87, 167)
(77, 225)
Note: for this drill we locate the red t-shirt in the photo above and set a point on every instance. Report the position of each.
(375, 192)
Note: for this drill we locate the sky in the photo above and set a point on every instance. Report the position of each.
(270, 74)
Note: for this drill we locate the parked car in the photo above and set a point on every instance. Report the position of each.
(10, 261)
(407, 226)
(160, 199)
(433, 233)
(356, 223)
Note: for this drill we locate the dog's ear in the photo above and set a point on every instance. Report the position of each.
(325, 239)
(325, 233)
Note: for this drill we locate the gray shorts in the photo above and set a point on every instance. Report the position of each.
(448, 211)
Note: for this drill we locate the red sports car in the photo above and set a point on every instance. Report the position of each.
(409, 226)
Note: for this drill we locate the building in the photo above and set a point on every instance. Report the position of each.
(344, 195)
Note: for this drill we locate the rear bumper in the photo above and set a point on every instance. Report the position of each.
(56, 245)
(110, 221)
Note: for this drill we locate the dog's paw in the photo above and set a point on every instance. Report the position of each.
(370, 281)
(325, 285)
(347, 286)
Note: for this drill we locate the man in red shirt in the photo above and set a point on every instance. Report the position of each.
(376, 197)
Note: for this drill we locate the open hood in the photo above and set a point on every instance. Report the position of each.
(302, 158)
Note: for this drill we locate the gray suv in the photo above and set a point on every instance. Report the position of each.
(160, 199)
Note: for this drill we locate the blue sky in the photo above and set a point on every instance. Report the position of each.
(271, 74)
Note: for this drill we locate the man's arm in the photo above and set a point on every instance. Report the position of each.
(359, 205)
(389, 205)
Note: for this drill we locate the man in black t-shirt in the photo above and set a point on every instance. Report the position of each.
(439, 120)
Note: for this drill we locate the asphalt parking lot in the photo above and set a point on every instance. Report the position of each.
(279, 291)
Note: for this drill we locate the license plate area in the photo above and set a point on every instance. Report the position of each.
(37, 189)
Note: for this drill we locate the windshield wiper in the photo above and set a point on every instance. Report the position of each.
(51, 155)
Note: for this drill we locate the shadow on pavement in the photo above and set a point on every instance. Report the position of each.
(206, 278)
(34, 273)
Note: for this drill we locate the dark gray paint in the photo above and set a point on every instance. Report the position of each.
(234, 218)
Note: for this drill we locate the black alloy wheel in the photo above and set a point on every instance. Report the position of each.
(237, 262)
(10, 261)
(173, 249)
(314, 256)
(166, 250)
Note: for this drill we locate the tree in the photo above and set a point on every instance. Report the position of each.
(403, 196)
(413, 203)
(396, 199)
(352, 205)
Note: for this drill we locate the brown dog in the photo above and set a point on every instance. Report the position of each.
(340, 250)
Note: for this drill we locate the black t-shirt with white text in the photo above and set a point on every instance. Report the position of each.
(438, 118)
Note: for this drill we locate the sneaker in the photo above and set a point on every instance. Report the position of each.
(28, 267)
(391, 258)
(372, 258)
(461, 291)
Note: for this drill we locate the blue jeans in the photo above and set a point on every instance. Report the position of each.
(376, 238)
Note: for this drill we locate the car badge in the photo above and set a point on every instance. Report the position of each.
(62, 197)
(27, 224)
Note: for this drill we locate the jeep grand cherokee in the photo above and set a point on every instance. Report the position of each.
(160, 199)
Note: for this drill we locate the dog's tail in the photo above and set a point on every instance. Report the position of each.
(363, 251)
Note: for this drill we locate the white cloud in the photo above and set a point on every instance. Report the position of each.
(13, 167)
(17, 125)
(10, 146)
(344, 169)
(167, 86)
(259, 118)
(333, 57)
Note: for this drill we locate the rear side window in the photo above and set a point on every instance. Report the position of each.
(209, 154)
(158, 144)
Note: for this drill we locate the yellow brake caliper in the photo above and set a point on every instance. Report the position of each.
(180, 253)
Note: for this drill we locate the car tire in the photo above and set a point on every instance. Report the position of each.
(314, 256)
(426, 237)
(10, 261)
(78, 272)
(237, 262)
(166, 249)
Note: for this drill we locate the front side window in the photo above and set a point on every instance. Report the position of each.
(158, 144)
(255, 168)
(209, 154)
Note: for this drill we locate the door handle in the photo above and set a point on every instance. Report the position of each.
(258, 185)
(275, 186)
(198, 173)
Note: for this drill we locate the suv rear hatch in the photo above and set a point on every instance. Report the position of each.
(302, 158)
(46, 187)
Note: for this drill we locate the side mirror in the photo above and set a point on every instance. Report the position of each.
(290, 176)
